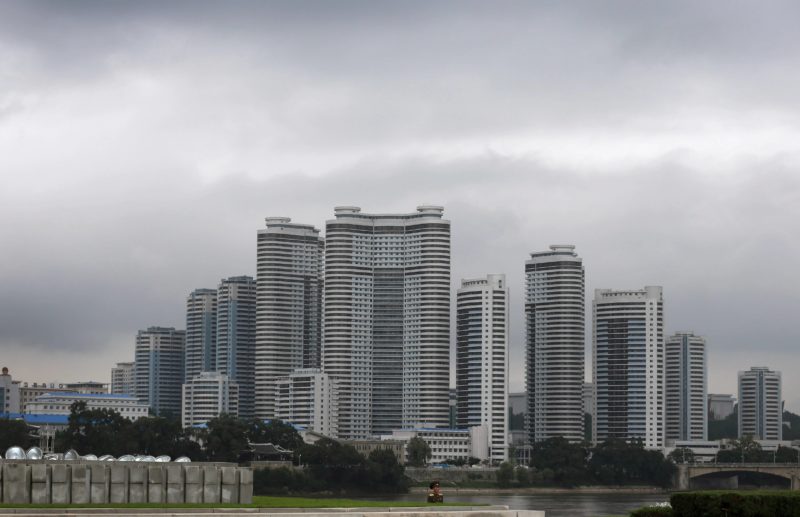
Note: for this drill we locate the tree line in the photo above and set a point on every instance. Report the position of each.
(327, 464)
(557, 462)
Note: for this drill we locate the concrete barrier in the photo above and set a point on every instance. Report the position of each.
(85, 482)
(60, 483)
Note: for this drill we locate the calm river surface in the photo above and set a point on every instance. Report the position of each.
(559, 504)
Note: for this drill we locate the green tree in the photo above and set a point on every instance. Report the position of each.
(786, 455)
(791, 426)
(14, 432)
(96, 431)
(505, 475)
(384, 473)
(566, 460)
(335, 466)
(616, 462)
(419, 452)
(274, 432)
(522, 475)
(226, 438)
(681, 455)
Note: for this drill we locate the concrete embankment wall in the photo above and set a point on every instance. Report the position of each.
(68, 482)
(287, 512)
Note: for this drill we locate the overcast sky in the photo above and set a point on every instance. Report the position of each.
(142, 144)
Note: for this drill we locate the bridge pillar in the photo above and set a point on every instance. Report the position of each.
(681, 478)
(795, 482)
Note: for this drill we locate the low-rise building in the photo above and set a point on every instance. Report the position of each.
(59, 403)
(365, 447)
(447, 444)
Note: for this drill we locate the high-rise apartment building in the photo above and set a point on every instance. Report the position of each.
(236, 337)
(159, 368)
(628, 365)
(760, 404)
(387, 319)
(288, 305)
(482, 360)
(686, 385)
(201, 332)
(123, 380)
(206, 396)
(555, 332)
(308, 397)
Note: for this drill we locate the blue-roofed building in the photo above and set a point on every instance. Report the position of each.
(59, 403)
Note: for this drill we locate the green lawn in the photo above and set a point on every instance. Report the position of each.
(258, 502)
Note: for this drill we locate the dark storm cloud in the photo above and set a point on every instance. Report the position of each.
(142, 143)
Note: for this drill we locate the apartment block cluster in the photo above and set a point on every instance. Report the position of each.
(348, 336)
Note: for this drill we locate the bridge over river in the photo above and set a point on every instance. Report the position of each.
(726, 475)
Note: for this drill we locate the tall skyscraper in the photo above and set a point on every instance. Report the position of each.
(720, 405)
(686, 385)
(629, 365)
(159, 368)
(201, 332)
(482, 359)
(387, 319)
(760, 404)
(236, 337)
(555, 331)
(206, 396)
(123, 380)
(288, 305)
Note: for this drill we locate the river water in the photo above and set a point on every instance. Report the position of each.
(557, 504)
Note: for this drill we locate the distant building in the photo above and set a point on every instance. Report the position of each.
(555, 332)
(288, 305)
(201, 333)
(448, 444)
(159, 368)
(28, 392)
(308, 398)
(366, 447)
(236, 337)
(453, 408)
(87, 387)
(123, 379)
(629, 366)
(206, 396)
(720, 405)
(760, 404)
(482, 359)
(59, 403)
(9, 393)
(387, 319)
(685, 387)
(588, 398)
(517, 406)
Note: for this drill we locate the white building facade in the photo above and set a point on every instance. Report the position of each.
(308, 398)
(206, 396)
(482, 360)
(288, 305)
(59, 402)
(628, 366)
(555, 333)
(720, 405)
(387, 319)
(760, 404)
(123, 379)
(448, 444)
(686, 385)
(236, 337)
